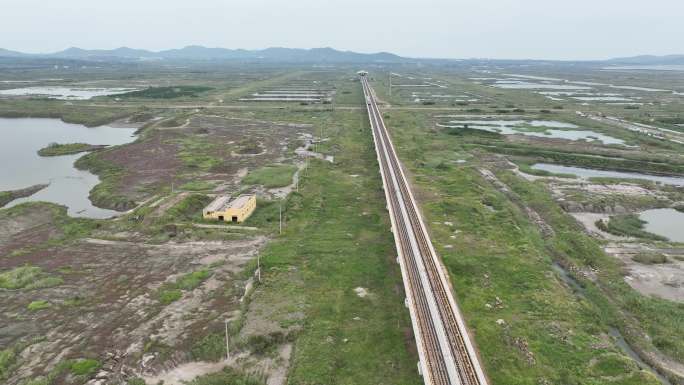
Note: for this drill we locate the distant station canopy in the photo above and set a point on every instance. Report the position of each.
(236, 210)
(362, 73)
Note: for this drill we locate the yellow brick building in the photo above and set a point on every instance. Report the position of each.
(236, 210)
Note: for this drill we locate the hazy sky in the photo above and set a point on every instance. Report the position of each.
(552, 29)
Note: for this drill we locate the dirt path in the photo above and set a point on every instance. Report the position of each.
(184, 373)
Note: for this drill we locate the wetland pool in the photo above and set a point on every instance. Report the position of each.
(666, 222)
(65, 93)
(594, 173)
(540, 128)
(23, 167)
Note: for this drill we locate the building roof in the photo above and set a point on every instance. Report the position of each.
(239, 201)
(223, 203)
(218, 204)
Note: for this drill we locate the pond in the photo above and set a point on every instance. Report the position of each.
(541, 129)
(593, 173)
(23, 167)
(67, 93)
(668, 223)
(521, 85)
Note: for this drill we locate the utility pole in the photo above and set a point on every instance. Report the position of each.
(258, 268)
(390, 84)
(280, 213)
(227, 349)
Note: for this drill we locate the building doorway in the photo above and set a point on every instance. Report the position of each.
(234, 219)
(220, 217)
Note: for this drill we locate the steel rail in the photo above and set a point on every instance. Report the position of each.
(446, 353)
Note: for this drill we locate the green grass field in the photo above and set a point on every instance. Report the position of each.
(271, 176)
(337, 239)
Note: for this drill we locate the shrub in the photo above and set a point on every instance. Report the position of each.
(228, 376)
(27, 277)
(8, 358)
(84, 367)
(135, 381)
(650, 258)
(260, 344)
(211, 347)
(38, 305)
(192, 280)
(628, 225)
(167, 296)
(171, 292)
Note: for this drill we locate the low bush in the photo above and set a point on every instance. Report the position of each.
(38, 305)
(628, 225)
(27, 277)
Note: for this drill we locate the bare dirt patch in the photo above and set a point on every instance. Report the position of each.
(31, 227)
(663, 280)
(109, 305)
(588, 220)
(206, 148)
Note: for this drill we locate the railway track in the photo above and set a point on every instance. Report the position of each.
(446, 353)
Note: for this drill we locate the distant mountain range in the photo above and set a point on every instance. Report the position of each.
(276, 54)
(650, 60)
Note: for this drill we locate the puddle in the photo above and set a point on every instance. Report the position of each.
(593, 173)
(23, 167)
(632, 88)
(66, 93)
(551, 129)
(668, 223)
(568, 279)
(602, 99)
(534, 77)
(615, 333)
(624, 346)
(536, 86)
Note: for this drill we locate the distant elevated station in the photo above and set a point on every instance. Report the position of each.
(226, 210)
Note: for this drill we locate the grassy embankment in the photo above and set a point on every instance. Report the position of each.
(8, 196)
(70, 113)
(501, 268)
(104, 193)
